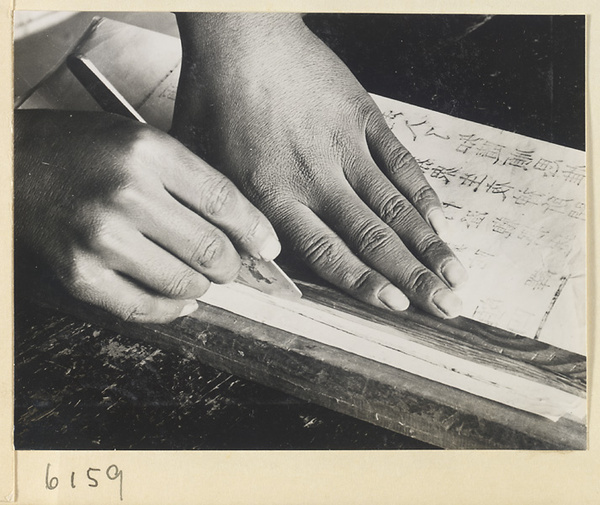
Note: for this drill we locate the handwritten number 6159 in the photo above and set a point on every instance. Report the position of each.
(112, 473)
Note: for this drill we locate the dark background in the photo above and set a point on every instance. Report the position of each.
(78, 386)
(519, 73)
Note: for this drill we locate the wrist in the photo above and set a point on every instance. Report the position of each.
(209, 34)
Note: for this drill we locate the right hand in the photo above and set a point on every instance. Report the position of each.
(125, 216)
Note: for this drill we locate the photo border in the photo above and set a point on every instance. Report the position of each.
(207, 477)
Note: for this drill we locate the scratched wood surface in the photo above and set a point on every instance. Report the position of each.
(364, 389)
(79, 386)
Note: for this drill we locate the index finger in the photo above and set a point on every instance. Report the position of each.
(402, 169)
(210, 194)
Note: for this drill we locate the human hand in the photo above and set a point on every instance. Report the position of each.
(268, 104)
(125, 216)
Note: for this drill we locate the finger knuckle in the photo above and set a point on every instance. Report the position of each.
(267, 194)
(340, 142)
(208, 250)
(394, 208)
(359, 281)
(304, 164)
(253, 230)
(128, 197)
(423, 195)
(221, 197)
(139, 312)
(360, 107)
(133, 142)
(430, 246)
(321, 252)
(102, 230)
(372, 238)
(402, 159)
(103, 240)
(178, 286)
(420, 280)
(142, 138)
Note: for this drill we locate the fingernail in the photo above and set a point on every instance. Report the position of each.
(447, 302)
(270, 249)
(438, 222)
(393, 298)
(454, 273)
(188, 309)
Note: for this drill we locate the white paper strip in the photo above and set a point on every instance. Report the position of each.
(390, 346)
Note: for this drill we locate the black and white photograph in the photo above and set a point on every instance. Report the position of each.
(283, 231)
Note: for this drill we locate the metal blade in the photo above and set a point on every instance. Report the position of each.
(268, 278)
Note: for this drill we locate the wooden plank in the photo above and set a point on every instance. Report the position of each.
(367, 390)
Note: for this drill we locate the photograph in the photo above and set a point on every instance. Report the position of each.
(275, 231)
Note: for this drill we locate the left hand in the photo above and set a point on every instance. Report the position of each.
(267, 103)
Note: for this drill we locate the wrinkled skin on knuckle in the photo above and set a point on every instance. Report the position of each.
(258, 185)
(207, 250)
(341, 146)
(325, 258)
(343, 141)
(221, 197)
(285, 178)
(359, 283)
(295, 171)
(421, 283)
(303, 165)
(141, 312)
(212, 253)
(403, 162)
(180, 285)
(253, 229)
(320, 252)
(424, 197)
(373, 239)
(357, 108)
(283, 217)
(279, 206)
(432, 248)
(395, 209)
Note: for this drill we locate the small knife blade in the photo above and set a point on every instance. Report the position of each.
(265, 276)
